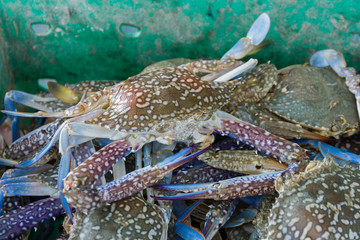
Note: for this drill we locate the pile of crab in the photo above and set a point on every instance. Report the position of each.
(189, 149)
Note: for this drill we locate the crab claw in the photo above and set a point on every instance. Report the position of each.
(94, 103)
(222, 190)
(258, 138)
(327, 150)
(186, 231)
(219, 213)
(30, 100)
(244, 217)
(142, 178)
(254, 37)
(97, 165)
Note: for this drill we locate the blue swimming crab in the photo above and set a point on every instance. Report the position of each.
(306, 102)
(166, 105)
(321, 202)
(129, 218)
(336, 61)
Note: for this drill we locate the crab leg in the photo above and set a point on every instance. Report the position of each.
(59, 132)
(8, 162)
(24, 186)
(12, 173)
(83, 151)
(222, 190)
(97, 165)
(262, 140)
(32, 141)
(254, 37)
(45, 104)
(258, 138)
(49, 144)
(147, 176)
(25, 218)
(218, 215)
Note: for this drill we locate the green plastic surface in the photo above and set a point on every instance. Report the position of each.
(73, 40)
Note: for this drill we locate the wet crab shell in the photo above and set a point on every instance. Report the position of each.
(162, 100)
(321, 203)
(316, 98)
(129, 218)
(174, 62)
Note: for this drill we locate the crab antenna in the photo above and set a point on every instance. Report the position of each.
(254, 37)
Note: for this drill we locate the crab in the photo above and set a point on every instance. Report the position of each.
(129, 218)
(336, 61)
(166, 105)
(321, 202)
(305, 98)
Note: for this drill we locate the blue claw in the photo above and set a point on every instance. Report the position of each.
(188, 232)
(245, 216)
(28, 100)
(27, 187)
(22, 179)
(222, 190)
(327, 150)
(23, 186)
(66, 206)
(188, 211)
(2, 196)
(7, 162)
(253, 201)
(140, 179)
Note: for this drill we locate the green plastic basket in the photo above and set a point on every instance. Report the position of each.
(74, 40)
